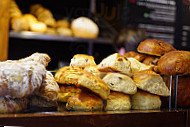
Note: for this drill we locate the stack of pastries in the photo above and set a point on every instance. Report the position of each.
(41, 20)
(22, 80)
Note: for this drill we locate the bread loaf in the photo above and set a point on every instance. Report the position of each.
(154, 47)
(120, 83)
(175, 63)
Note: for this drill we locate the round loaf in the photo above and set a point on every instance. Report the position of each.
(84, 102)
(84, 27)
(154, 47)
(118, 102)
(175, 63)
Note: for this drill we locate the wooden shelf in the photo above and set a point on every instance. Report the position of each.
(133, 118)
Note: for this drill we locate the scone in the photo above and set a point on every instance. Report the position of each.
(84, 27)
(66, 92)
(117, 63)
(118, 102)
(84, 102)
(143, 100)
(94, 70)
(68, 75)
(154, 47)
(151, 82)
(94, 84)
(82, 60)
(120, 83)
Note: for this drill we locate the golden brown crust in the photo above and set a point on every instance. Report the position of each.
(68, 75)
(154, 47)
(175, 63)
(137, 56)
(151, 60)
(19, 24)
(94, 84)
(94, 70)
(84, 102)
(62, 23)
(118, 102)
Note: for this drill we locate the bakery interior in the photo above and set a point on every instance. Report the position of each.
(98, 63)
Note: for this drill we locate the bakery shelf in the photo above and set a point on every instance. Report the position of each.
(37, 36)
(147, 118)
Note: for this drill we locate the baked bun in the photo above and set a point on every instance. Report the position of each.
(137, 66)
(94, 84)
(30, 18)
(94, 70)
(154, 47)
(84, 102)
(39, 27)
(120, 83)
(84, 27)
(151, 82)
(82, 60)
(62, 23)
(149, 60)
(66, 92)
(68, 75)
(137, 56)
(117, 63)
(143, 100)
(8, 105)
(50, 31)
(19, 24)
(118, 102)
(64, 31)
(175, 63)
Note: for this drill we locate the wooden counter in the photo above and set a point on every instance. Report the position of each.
(148, 118)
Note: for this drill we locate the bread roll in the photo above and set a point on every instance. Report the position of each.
(30, 18)
(137, 56)
(120, 83)
(84, 102)
(39, 27)
(94, 84)
(64, 31)
(62, 23)
(66, 92)
(84, 27)
(175, 63)
(151, 60)
(117, 63)
(9, 105)
(82, 60)
(20, 79)
(50, 30)
(143, 100)
(118, 102)
(151, 82)
(68, 75)
(19, 24)
(14, 10)
(154, 47)
(94, 70)
(41, 58)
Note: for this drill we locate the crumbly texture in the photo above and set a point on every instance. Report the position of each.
(68, 75)
(9, 105)
(117, 63)
(118, 102)
(82, 60)
(120, 82)
(66, 92)
(151, 82)
(84, 102)
(94, 84)
(175, 63)
(143, 100)
(154, 47)
(94, 70)
(20, 79)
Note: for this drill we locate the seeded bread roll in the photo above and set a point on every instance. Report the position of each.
(94, 84)
(151, 82)
(94, 70)
(120, 83)
(84, 27)
(154, 47)
(117, 63)
(66, 92)
(118, 102)
(137, 56)
(68, 75)
(175, 63)
(82, 60)
(84, 102)
(143, 100)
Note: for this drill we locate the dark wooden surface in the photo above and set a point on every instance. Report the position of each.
(148, 118)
